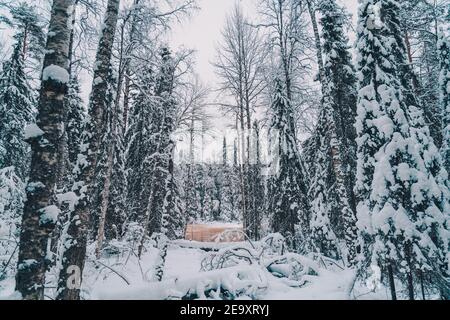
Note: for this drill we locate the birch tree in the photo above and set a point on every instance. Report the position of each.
(77, 233)
(40, 212)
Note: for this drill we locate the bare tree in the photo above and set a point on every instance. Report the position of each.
(192, 102)
(240, 66)
(286, 26)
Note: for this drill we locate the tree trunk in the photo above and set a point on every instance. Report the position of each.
(32, 263)
(312, 14)
(125, 61)
(410, 286)
(105, 194)
(422, 288)
(126, 104)
(391, 281)
(75, 251)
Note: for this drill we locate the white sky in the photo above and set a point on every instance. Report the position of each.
(202, 32)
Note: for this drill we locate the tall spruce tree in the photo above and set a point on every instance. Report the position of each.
(321, 191)
(400, 209)
(138, 147)
(117, 213)
(255, 183)
(419, 21)
(287, 188)
(17, 100)
(444, 84)
(162, 126)
(16, 111)
(30, 31)
(331, 189)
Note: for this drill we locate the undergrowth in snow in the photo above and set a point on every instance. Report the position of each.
(258, 270)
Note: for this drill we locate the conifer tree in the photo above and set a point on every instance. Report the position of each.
(30, 34)
(16, 111)
(401, 201)
(331, 188)
(162, 126)
(444, 84)
(138, 146)
(287, 188)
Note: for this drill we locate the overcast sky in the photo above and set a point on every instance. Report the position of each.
(202, 32)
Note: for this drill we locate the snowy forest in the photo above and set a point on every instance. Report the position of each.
(306, 155)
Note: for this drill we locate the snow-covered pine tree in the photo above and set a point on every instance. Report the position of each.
(12, 196)
(15, 88)
(235, 195)
(230, 187)
(321, 192)
(287, 196)
(30, 32)
(117, 213)
(190, 182)
(420, 26)
(226, 206)
(400, 209)
(174, 216)
(255, 183)
(209, 201)
(162, 125)
(201, 178)
(444, 86)
(16, 111)
(331, 188)
(341, 86)
(217, 193)
(138, 147)
(107, 163)
(190, 194)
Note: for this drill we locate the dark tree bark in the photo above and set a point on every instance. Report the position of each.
(75, 252)
(410, 286)
(422, 287)
(391, 281)
(38, 218)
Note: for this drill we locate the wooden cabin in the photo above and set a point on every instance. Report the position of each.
(214, 233)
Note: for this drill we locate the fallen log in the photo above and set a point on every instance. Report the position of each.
(205, 246)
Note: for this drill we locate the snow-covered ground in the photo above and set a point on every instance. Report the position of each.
(124, 276)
